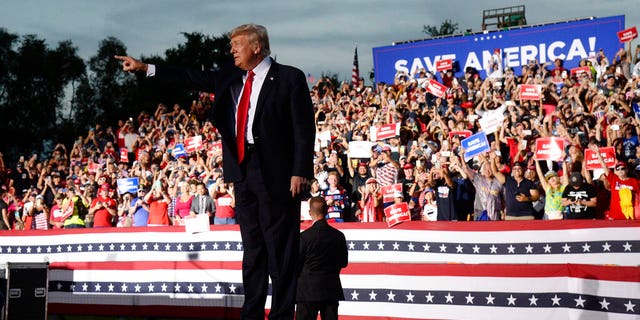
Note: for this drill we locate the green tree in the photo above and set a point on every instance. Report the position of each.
(112, 88)
(7, 54)
(446, 28)
(199, 51)
(33, 84)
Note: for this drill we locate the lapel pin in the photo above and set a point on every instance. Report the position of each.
(271, 78)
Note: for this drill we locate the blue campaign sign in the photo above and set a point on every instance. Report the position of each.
(475, 145)
(179, 151)
(128, 185)
(570, 41)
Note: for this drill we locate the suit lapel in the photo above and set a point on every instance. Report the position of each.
(225, 106)
(236, 90)
(267, 90)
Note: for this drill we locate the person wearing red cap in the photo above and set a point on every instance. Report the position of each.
(624, 189)
(408, 181)
(103, 208)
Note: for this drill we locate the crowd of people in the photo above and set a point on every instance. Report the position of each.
(76, 186)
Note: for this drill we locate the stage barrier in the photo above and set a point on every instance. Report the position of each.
(415, 270)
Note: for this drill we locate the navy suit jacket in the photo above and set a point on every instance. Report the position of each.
(283, 127)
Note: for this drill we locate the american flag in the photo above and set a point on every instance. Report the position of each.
(355, 74)
(415, 270)
(311, 79)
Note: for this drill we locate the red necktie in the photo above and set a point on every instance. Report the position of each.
(243, 110)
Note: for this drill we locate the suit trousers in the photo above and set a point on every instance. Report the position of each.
(309, 310)
(270, 233)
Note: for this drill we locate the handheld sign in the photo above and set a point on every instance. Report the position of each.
(127, 185)
(444, 65)
(549, 149)
(360, 149)
(197, 224)
(530, 91)
(388, 191)
(193, 144)
(124, 155)
(179, 151)
(215, 149)
(591, 161)
(578, 72)
(628, 34)
(93, 167)
(436, 88)
(463, 134)
(324, 138)
(397, 213)
(385, 132)
(475, 145)
(490, 121)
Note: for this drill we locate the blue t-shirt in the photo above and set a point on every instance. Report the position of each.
(141, 216)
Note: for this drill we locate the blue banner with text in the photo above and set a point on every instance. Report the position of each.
(570, 41)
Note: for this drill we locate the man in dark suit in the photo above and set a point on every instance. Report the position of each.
(264, 114)
(323, 252)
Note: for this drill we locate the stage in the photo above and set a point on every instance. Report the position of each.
(415, 270)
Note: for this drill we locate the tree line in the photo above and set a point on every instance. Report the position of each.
(51, 94)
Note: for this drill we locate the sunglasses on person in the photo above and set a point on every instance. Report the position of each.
(620, 168)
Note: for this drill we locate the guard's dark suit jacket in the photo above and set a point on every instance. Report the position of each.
(283, 127)
(323, 252)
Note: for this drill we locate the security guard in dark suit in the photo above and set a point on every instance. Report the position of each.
(323, 252)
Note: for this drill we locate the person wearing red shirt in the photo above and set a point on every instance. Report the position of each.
(158, 201)
(57, 216)
(225, 202)
(371, 202)
(624, 189)
(103, 208)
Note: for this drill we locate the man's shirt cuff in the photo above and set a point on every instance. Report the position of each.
(151, 70)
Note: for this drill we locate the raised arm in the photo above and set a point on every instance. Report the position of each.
(130, 64)
(543, 181)
(565, 174)
(603, 164)
(494, 169)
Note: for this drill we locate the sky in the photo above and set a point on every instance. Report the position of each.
(316, 36)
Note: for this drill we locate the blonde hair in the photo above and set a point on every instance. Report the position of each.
(256, 33)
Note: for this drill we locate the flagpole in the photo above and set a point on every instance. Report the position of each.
(355, 72)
